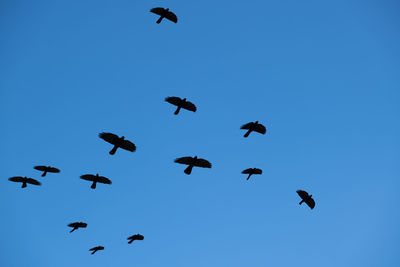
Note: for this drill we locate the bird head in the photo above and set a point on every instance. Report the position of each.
(310, 196)
(97, 174)
(256, 122)
(167, 9)
(184, 99)
(122, 137)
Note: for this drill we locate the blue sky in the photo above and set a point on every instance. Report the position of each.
(323, 76)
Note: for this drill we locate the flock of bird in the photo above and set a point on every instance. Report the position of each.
(121, 142)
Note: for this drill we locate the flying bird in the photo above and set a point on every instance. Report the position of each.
(46, 169)
(252, 171)
(77, 225)
(117, 142)
(95, 249)
(305, 197)
(24, 180)
(193, 162)
(95, 179)
(180, 103)
(164, 13)
(135, 237)
(253, 126)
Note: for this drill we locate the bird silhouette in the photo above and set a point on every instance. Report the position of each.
(95, 249)
(180, 103)
(305, 197)
(77, 225)
(24, 180)
(252, 171)
(135, 237)
(46, 169)
(95, 179)
(117, 142)
(253, 126)
(164, 13)
(193, 162)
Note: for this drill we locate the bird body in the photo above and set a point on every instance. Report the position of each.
(118, 142)
(95, 179)
(252, 171)
(305, 197)
(135, 237)
(193, 162)
(46, 169)
(164, 13)
(77, 225)
(24, 180)
(180, 103)
(95, 249)
(253, 126)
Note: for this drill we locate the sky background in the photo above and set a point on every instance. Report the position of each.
(323, 76)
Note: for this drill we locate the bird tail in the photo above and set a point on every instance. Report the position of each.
(177, 110)
(188, 170)
(44, 174)
(247, 133)
(159, 20)
(130, 241)
(23, 185)
(73, 229)
(301, 202)
(248, 177)
(112, 151)
(93, 185)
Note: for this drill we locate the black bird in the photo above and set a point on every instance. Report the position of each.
(95, 179)
(117, 142)
(164, 13)
(253, 126)
(305, 197)
(95, 249)
(46, 169)
(252, 171)
(135, 237)
(180, 103)
(193, 162)
(24, 180)
(77, 225)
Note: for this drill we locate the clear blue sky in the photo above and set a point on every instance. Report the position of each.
(323, 76)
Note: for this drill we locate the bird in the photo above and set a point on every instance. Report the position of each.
(24, 180)
(95, 249)
(95, 179)
(164, 13)
(305, 197)
(193, 162)
(252, 171)
(77, 225)
(135, 237)
(253, 126)
(46, 169)
(180, 103)
(117, 142)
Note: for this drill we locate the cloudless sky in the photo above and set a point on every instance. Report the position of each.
(323, 76)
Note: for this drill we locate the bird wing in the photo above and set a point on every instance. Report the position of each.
(109, 137)
(82, 224)
(75, 224)
(173, 100)
(302, 194)
(53, 169)
(136, 237)
(158, 10)
(247, 125)
(310, 202)
(257, 171)
(32, 181)
(40, 168)
(17, 179)
(247, 171)
(189, 106)
(88, 177)
(128, 145)
(260, 129)
(184, 160)
(171, 16)
(104, 180)
(202, 163)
